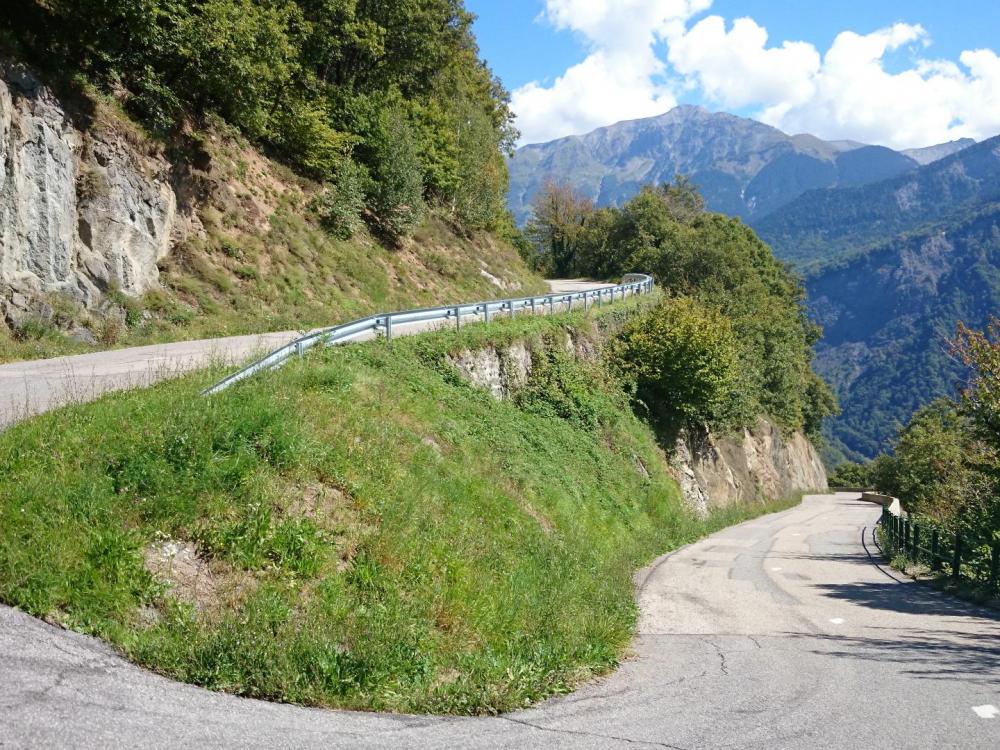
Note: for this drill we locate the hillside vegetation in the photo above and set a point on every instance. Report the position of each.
(386, 102)
(741, 307)
(330, 158)
(945, 463)
(888, 316)
(361, 529)
(825, 228)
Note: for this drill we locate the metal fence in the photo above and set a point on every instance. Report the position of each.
(966, 559)
(384, 324)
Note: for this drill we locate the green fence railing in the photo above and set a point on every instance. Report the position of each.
(963, 558)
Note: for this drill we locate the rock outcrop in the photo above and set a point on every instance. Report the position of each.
(81, 212)
(757, 463)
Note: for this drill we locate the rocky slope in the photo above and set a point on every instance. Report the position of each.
(759, 462)
(743, 167)
(80, 212)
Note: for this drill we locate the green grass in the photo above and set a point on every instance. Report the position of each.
(293, 276)
(375, 532)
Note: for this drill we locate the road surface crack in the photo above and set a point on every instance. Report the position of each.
(578, 733)
(723, 665)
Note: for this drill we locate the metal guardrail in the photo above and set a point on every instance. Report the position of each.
(383, 323)
(972, 560)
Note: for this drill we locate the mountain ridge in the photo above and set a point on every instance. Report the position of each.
(743, 167)
(827, 226)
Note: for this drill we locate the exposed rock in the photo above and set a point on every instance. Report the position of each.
(758, 463)
(79, 212)
(502, 373)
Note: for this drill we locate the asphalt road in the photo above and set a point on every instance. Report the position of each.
(33, 387)
(778, 633)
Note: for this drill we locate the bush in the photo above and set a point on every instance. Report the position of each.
(684, 360)
(342, 203)
(397, 189)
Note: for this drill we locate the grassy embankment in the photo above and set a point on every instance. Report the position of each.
(361, 529)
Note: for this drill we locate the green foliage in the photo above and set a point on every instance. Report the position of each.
(398, 87)
(342, 203)
(684, 359)
(945, 463)
(980, 350)
(379, 533)
(397, 178)
(851, 474)
(713, 259)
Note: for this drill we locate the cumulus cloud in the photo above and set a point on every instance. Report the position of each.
(621, 78)
(642, 53)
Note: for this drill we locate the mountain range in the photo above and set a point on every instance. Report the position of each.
(742, 167)
(895, 246)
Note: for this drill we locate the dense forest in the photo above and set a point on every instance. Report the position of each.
(945, 463)
(824, 229)
(386, 102)
(732, 339)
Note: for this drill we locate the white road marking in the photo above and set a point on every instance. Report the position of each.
(988, 711)
(775, 569)
(837, 620)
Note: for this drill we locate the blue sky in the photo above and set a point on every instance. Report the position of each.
(900, 78)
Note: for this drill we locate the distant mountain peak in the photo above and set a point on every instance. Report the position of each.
(743, 167)
(930, 154)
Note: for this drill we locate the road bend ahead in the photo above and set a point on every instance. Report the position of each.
(778, 633)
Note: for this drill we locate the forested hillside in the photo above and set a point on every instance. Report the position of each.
(823, 227)
(735, 323)
(389, 102)
(888, 315)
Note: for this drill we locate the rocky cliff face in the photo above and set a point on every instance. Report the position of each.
(758, 463)
(712, 471)
(80, 212)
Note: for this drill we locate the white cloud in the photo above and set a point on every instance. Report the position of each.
(621, 78)
(737, 69)
(845, 93)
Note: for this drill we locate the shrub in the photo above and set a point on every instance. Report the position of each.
(684, 360)
(342, 203)
(397, 188)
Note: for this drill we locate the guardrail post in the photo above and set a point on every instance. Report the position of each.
(586, 296)
(552, 305)
(510, 304)
(956, 559)
(458, 318)
(935, 550)
(906, 536)
(612, 290)
(300, 348)
(995, 567)
(486, 312)
(388, 328)
(569, 302)
(532, 305)
(916, 543)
